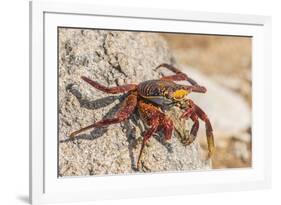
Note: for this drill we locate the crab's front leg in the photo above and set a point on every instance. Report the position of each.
(194, 112)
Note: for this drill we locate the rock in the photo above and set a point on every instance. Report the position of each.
(112, 58)
(240, 150)
(240, 85)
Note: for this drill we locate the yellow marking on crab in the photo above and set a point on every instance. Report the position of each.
(179, 94)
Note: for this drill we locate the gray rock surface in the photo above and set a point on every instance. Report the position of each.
(112, 58)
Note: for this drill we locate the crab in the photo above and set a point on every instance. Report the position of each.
(152, 99)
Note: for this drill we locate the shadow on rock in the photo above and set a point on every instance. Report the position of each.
(129, 125)
(97, 132)
(89, 104)
(160, 138)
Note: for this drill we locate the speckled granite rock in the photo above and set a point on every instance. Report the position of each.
(112, 58)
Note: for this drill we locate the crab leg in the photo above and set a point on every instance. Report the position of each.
(195, 88)
(195, 126)
(189, 108)
(209, 130)
(112, 90)
(182, 76)
(167, 127)
(178, 74)
(157, 121)
(127, 108)
(194, 129)
(194, 112)
(146, 136)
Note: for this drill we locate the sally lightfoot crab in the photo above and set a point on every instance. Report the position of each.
(152, 98)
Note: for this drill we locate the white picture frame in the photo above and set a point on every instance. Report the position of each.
(46, 187)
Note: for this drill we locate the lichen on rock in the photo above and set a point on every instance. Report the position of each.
(112, 58)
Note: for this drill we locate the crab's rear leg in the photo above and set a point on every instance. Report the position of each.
(127, 108)
(178, 74)
(112, 90)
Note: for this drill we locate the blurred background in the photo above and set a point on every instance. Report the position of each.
(226, 61)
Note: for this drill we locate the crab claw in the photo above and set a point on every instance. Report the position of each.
(186, 114)
(189, 140)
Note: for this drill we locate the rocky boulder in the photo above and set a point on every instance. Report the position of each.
(112, 58)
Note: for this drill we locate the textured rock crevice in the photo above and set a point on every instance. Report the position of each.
(112, 58)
